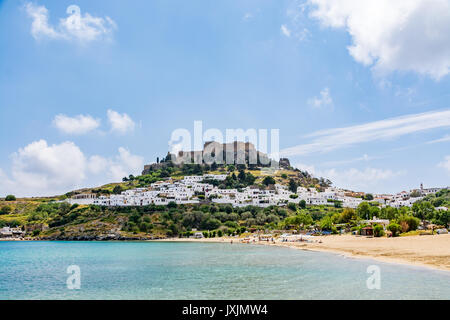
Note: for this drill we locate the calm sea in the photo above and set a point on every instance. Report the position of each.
(163, 270)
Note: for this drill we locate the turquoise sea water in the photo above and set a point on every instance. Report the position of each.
(163, 270)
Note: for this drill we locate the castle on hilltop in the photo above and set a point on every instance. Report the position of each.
(220, 154)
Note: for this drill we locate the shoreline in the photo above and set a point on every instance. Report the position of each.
(383, 251)
(431, 251)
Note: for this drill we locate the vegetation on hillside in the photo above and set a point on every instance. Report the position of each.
(47, 218)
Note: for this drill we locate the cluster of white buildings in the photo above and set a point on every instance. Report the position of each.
(193, 189)
(7, 232)
(190, 188)
(405, 198)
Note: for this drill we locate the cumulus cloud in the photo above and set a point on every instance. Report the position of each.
(77, 26)
(337, 138)
(40, 169)
(80, 124)
(322, 101)
(116, 168)
(39, 166)
(120, 123)
(404, 35)
(368, 179)
(445, 164)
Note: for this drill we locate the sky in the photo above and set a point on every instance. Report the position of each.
(90, 91)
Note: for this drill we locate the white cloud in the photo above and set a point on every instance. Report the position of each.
(445, 138)
(305, 167)
(364, 158)
(322, 101)
(405, 35)
(445, 164)
(120, 123)
(331, 139)
(80, 124)
(77, 26)
(284, 30)
(40, 169)
(296, 21)
(366, 180)
(45, 169)
(116, 168)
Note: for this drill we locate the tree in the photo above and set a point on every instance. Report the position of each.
(394, 228)
(211, 224)
(250, 179)
(411, 222)
(368, 197)
(442, 218)
(325, 223)
(241, 175)
(172, 205)
(228, 209)
(363, 211)
(423, 210)
(300, 221)
(415, 194)
(378, 230)
(246, 215)
(268, 180)
(348, 215)
(5, 210)
(388, 213)
(302, 204)
(337, 204)
(117, 189)
(293, 186)
(428, 210)
(374, 212)
(10, 197)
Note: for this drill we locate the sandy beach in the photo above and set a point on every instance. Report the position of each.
(428, 251)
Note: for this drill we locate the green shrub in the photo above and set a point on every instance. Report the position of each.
(5, 210)
(394, 228)
(10, 197)
(378, 230)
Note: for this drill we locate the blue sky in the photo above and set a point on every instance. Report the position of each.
(89, 96)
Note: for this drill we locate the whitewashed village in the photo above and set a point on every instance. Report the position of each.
(193, 189)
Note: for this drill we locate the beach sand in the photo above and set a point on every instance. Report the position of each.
(429, 251)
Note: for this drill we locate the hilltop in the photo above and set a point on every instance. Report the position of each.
(200, 162)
